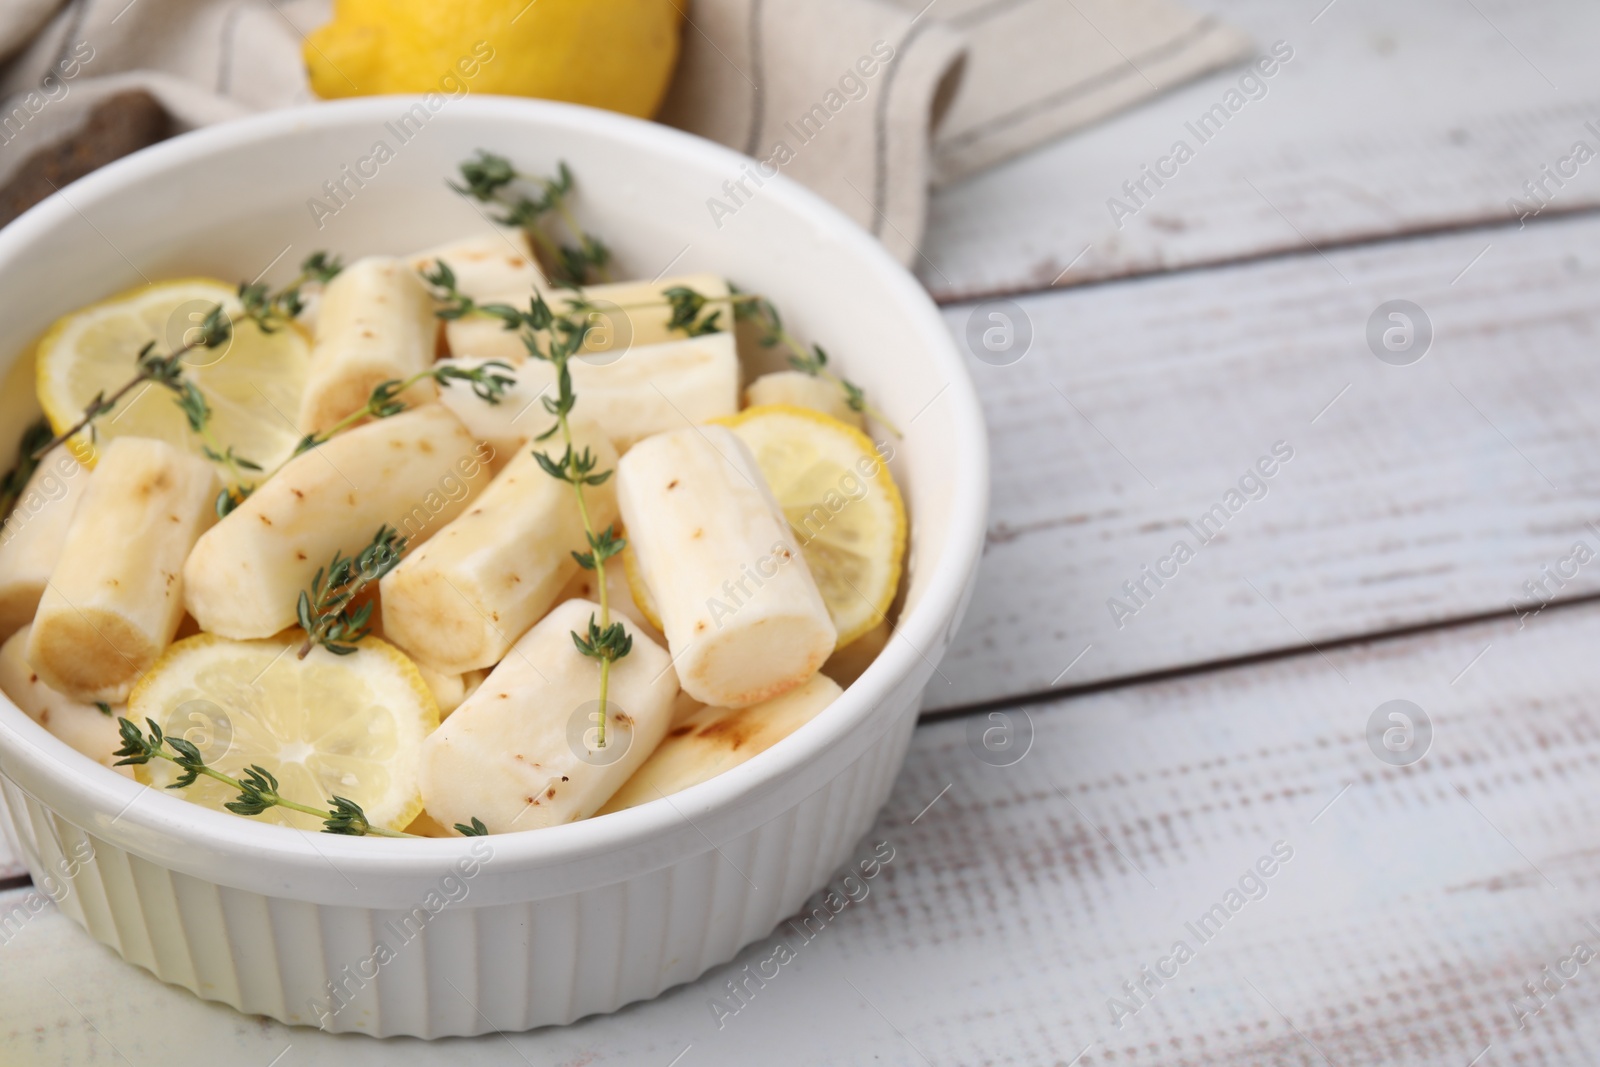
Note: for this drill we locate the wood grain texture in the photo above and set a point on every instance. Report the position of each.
(1423, 493)
(1390, 119)
(1416, 901)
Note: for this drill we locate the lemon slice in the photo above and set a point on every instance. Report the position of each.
(349, 726)
(252, 383)
(641, 592)
(841, 502)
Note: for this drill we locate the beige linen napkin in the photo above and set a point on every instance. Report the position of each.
(1037, 69)
(950, 86)
(868, 102)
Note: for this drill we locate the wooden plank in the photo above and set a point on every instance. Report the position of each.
(1405, 910)
(1415, 494)
(1389, 119)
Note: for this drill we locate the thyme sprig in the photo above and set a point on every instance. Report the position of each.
(604, 643)
(326, 612)
(272, 311)
(268, 310)
(163, 370)
(688, 307)
(556, 340)
(197, 411)
(492, 179)
(690, 316)
(489, 383)
(258, 789)
(454, 304)
(577, 469)
(15, 481)
(231, 497)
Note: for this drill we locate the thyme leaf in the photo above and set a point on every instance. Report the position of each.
(326, 611)
(492, 179)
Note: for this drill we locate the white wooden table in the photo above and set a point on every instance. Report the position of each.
(1217, 726)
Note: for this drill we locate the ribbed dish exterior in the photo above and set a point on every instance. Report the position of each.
(571, 920)
(465, 970)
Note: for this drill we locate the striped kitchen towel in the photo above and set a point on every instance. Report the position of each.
(868, 102)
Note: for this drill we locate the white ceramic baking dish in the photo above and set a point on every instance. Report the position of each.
(458, 937)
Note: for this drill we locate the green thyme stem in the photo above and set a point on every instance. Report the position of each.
(812, 361)
(324, 611)
(235, 466)
(487, 380)
(777, 333)
(687, 306)
(162, 369)
(99, 406)
(278, 802)
(849, 389)
(491, 179)
(546, 245)
(591, 253)
(564, 338)
(371, 409)
(599, 570)
(17, 478)
(605, 680)
(258, 793)
(271, 310)
(595, 254)
(265, 308)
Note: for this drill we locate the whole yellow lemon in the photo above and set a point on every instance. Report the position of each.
(614, 54)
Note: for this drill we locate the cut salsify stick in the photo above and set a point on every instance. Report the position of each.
(802, 390)
(414, 472)
(634, 394)
(520, 753)
(708, 741)
(742, 615)
(631, 315)
(448, 689)
(375, 324)
(461, 601)
(116, 595)
(31, 540)
(486, 266)
(84, 727)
